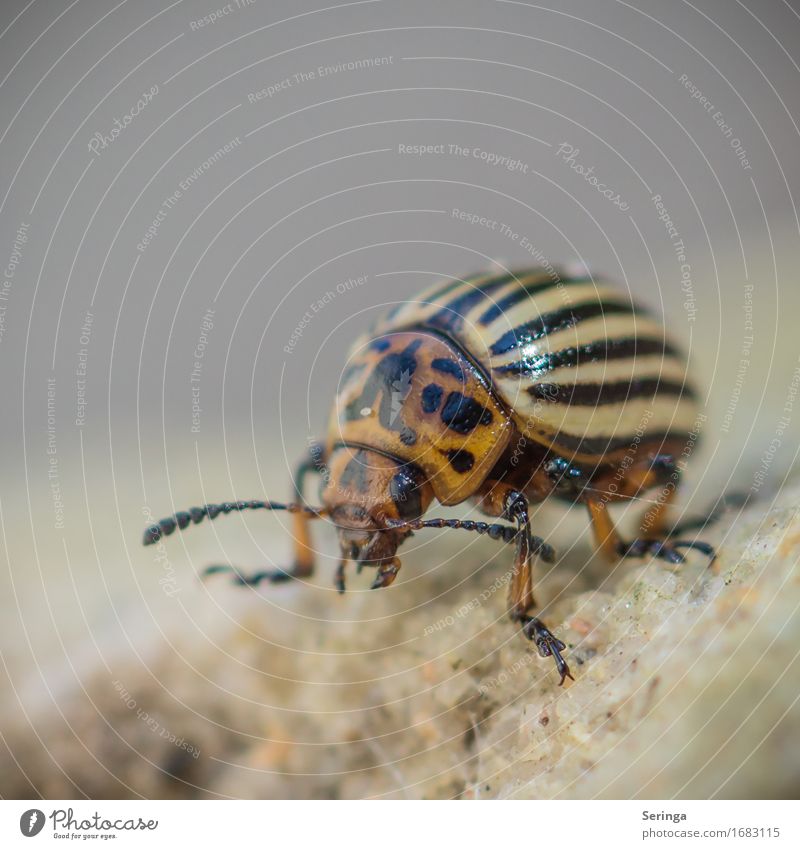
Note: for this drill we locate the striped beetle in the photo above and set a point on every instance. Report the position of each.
(504, 389)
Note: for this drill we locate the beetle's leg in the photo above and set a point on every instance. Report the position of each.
(303, 566)
(654, 521)
(520, 592)
(609, 542)
(729, 501)
(338, 578)
(606, 537)
(655, 539)
(387, 572)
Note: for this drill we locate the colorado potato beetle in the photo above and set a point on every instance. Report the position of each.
(502, 389)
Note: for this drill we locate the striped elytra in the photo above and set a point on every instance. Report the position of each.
(502, 389)
(577, 364)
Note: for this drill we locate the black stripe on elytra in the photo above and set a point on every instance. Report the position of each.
(451, 316)
(591, 352)
(523, 292)
(463, 414)
(597, 394)
(551, 322)
(448, 366)
(444, 289)
(599, 446)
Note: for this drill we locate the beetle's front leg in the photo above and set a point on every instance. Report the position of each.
(303, 565)
(521, 588)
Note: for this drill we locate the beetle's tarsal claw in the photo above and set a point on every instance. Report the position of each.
(548, 646)
(665, 549)
(387, 572)
(697, 545)
(338, 578)
(272, 576)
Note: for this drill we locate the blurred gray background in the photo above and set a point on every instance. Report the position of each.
(162, 343)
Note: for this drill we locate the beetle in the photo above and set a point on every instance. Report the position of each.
(502, 389)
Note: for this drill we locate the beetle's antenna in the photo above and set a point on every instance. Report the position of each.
(194, 515)
(505, 533)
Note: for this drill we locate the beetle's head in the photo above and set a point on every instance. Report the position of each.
(370, 499)
(365, 492)
(364, 540)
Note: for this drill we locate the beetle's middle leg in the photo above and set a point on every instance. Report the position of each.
(520, 590)
(303, 563)
(655, 538)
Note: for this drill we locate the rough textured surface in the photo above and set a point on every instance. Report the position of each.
(686, 685)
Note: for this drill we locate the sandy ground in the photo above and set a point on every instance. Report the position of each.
(686, 686)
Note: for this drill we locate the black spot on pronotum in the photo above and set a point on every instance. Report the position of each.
(463, 414)
(380, 345)
(460, 460)
(431, 398)
(451, 367)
